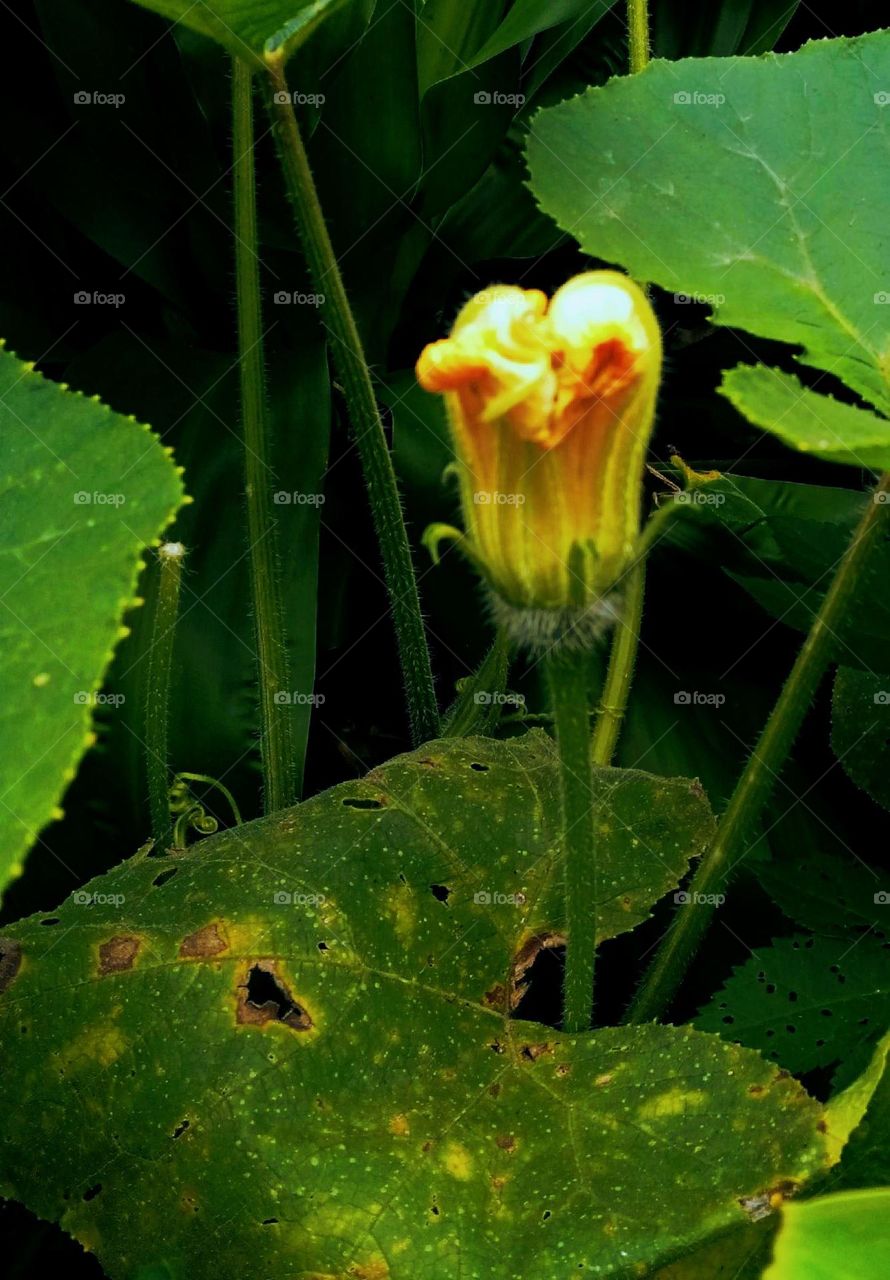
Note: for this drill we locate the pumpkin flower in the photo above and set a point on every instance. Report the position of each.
(551, 405)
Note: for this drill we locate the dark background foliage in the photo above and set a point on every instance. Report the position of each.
(426, 204)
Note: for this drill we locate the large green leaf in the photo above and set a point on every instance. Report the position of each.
(250, 28)
(806, 1002)
(681, 175)
(860, 732)
(84, 491)
(839, 1237)
(289, 1050)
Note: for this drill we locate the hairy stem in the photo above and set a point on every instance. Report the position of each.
(638, 34)
(621, 669)
(567, 678)
(281, 769)
(692, 919)
(352, 370)
(157, 690)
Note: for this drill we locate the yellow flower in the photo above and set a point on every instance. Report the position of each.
(551, 408)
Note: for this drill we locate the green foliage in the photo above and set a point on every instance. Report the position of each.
(248, 29)
(806, 1001)
(85, 490)
(861, 730)
(622, 167)
(834, 1238)
(389, 923)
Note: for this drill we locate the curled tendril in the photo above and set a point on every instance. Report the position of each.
(191, 812)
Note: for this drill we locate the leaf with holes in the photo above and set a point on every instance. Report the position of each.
(826, 892)
(84, 491)
(621, 168)
(860, 734)
(806, 1002)
(290, 1050)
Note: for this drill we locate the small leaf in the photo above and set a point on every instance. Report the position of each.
(84, 491)
(839, 1237)
(247, 29)
(806, 420)
(806, 1002)
(860, 734)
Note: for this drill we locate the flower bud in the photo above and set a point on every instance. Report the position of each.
(551, 407)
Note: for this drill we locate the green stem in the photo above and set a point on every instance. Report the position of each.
(638, 34)
(481, 699)
(567, 678)
(352, 370)
(157, 691)
(281, 769)
(621, 669)
(754, 786)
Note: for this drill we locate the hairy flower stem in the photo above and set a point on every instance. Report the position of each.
(352, 369)
(613, 704)
(567, 678)
(692, 919)
(157, 690)
(638, 34)
(281, 769)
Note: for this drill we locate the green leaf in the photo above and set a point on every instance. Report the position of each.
(807, 421)
(621, 168)
(248, 28)
(528, 18)
(84, 491)
(858, 1121)
(288, 1051)
(839, 1237)
(806, 1002)
(825, 892)
(860, 732)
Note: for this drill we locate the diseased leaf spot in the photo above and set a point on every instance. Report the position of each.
(263, 998)
(506, 1141)
(10, 962)
(440, 892)
(92, 1192)
(118, 954)
(181, 1128)
(50, 920)
(204, 943)
(361, 802)
(162, 879)
(480, 768)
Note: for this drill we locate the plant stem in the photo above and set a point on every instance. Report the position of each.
(352, 370)
(638, 34)
(567, 678)
(754, 786)
(157, 691)
(280, 766)
(621, 669)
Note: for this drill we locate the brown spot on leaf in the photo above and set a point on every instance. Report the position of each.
(496, 997)
(603, 1080)
(755, 1090)
(563, 1069)
(204, 943)
(262, 998)
(524, 959)
(399, 1126)
(494, 1089)
(506, 1141)
(822, 1127)
(377, 1270)
(534, 1051)
(10, 962)
(118, 954)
